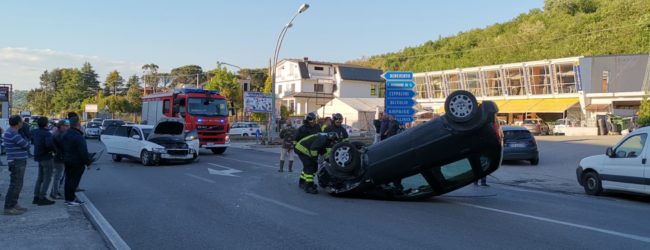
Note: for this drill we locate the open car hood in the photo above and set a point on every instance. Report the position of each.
(168, 127)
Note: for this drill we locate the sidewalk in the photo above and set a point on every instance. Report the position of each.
(44, 227)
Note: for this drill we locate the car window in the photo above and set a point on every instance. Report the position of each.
(458, 171)
(631, 147)
(146, 132)
(110, 131)
(517, 134)
(93, 125)
(529, 122)
(134, 131)
(121, 131)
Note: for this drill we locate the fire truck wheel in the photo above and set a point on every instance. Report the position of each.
(218, 150)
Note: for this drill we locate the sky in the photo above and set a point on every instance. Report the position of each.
(123, 35)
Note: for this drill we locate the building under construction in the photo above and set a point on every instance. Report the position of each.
(579, 88)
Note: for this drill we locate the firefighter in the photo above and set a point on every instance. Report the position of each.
(309, 127)
(337, 127)
(308, 149)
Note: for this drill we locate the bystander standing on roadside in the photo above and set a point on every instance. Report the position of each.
(483, 182)
(383, 127)
(43, 155)
(62, 126)
(393, 127)
(17, 148)
(377, 124)
(75, 158)
(287, 134)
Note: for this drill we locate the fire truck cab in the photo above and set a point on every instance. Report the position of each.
(204, 111)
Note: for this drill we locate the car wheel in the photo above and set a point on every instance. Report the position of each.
(244, 134)
(145, 158)
(116, 157)
(344, 157)
(218, 150)
(534, 161)
(461, 106)
(592, 184)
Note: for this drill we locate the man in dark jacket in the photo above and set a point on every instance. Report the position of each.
(377, 124)
(308, 149)
(383, 127)
(287, 134)
(43, 149)
(393, 127)
(75, 158)
(62, 127)
(309, 127)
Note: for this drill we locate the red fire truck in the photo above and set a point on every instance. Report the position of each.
(205, 111)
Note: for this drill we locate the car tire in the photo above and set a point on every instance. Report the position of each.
(116, 158)
(461, 106)
(218, 151)
(146, 158)
(245, 135)
(534, 161)
(345, 157)
(592, 183)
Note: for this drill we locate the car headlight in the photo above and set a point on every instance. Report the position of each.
(190, 138)
(159, 150)
(227, 138)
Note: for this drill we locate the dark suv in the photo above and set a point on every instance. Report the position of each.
(430, 159)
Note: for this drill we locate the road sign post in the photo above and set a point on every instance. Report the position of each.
(399, 95)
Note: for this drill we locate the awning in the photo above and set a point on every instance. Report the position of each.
(558, 105)
(547, 105)
(517, 106)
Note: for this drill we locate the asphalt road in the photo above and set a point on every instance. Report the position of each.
(201, 206)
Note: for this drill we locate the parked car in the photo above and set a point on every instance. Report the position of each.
(244, 128)
(561, 125)
(536, 126)
(519, 144)
(166, 141)
(621, 168)
(98, 120)
(110, 122)
(91, 130)
(433, 158)
(352, 131)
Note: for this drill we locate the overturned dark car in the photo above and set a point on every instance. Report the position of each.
(431, 159)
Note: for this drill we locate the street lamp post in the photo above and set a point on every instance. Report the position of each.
(278, 45)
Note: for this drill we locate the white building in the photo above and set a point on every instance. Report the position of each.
(357, 112)
(304, 86)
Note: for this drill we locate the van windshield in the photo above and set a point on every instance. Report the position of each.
(207, 107)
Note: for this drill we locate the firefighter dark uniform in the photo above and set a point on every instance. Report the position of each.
(308, 149)
(337, 127)
(309, 127)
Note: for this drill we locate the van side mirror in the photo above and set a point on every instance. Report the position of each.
(137, 137)
(610, 152)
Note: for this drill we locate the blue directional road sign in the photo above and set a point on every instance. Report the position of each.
(400, 111)
(404, 119)
(398, 76)
(400, 85)
(400, 93)
(400, 103)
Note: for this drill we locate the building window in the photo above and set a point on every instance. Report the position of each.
(318, 88)
(334, 88)
(565, 78)
(279, 89)
(493, 82)
(319, 68)
(293, 88)
(472, 83)
(292, 106)
(420, 87)
(605, 81)
(515, 81)
(453, 81)
(166, 106)
(435, 82)
(540, 80)
(373, 89)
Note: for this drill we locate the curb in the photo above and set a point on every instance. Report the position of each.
(110, 236)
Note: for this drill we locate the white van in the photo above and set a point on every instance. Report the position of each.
(244, 128)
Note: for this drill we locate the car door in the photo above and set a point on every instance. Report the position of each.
(134, 146)
(108, 138)
(626, 168)
(120, 140)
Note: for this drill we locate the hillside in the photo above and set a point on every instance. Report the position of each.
(563, 28)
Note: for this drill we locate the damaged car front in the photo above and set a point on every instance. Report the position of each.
(430, 159)
(172, 143)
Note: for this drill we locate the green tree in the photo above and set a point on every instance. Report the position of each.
(227, 83)
(134, 98)
(257, 77)
(187, 75)
(151, 77)
(68, 96)
(114, 81)
(133, 81)
(644, 113)
(90, 79)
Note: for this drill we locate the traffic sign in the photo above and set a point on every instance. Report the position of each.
(400, 85)
(400, 93)
(400, 102)
(398, 75)
(404, 119)
(400, 111)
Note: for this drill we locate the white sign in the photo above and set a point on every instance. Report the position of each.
(91, 108)
(257, 102)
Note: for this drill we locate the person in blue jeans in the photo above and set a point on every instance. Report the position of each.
(43, 154)
(17, 149)
(483, 182)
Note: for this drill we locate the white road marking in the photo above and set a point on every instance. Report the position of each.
(595, 229)
(282, 204)
(108, 232)
(201, 178)
(249, 162)
(228, 172)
